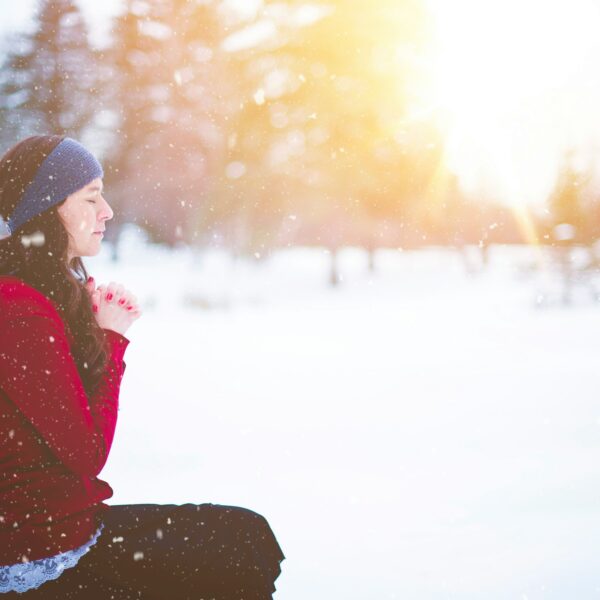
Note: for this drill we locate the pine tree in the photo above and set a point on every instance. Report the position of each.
(162, 93)
(49, 78)
(320, 125)
(565, 203)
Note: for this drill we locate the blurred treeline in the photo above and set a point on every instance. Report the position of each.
(256, 129)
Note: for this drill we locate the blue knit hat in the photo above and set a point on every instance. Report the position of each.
(68, 168)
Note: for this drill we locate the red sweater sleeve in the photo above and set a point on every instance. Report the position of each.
(39, 375)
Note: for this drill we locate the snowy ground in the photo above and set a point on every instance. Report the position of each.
(416, 434)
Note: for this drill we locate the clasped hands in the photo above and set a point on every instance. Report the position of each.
(114, 306)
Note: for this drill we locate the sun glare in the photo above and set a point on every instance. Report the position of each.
(514, 83)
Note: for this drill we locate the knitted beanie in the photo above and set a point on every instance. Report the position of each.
(67, 169)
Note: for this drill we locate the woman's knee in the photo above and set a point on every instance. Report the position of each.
(226, 514)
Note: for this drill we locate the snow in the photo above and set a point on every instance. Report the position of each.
(416, 433)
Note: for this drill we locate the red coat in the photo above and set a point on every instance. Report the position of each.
(54, 440)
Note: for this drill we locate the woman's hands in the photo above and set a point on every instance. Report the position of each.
(114, 307)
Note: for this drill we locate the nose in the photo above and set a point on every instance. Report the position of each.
(106, 212)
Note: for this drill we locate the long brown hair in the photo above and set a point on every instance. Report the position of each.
(42, 261)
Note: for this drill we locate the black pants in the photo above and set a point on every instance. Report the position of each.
(172, 552)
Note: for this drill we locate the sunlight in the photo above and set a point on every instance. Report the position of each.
(514, 84)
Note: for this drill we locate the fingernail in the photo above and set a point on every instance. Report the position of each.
(95, 308)
(109, 297)
(130, 308)
(90, 279)
(121, 301)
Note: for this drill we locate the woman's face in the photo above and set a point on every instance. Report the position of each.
(84, 215)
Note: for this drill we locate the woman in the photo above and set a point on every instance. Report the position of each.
(62, 341)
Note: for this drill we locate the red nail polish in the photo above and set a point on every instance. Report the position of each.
(109, 297)
(90, 279)
(121, 301)
(95, 308)
(130, 308)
